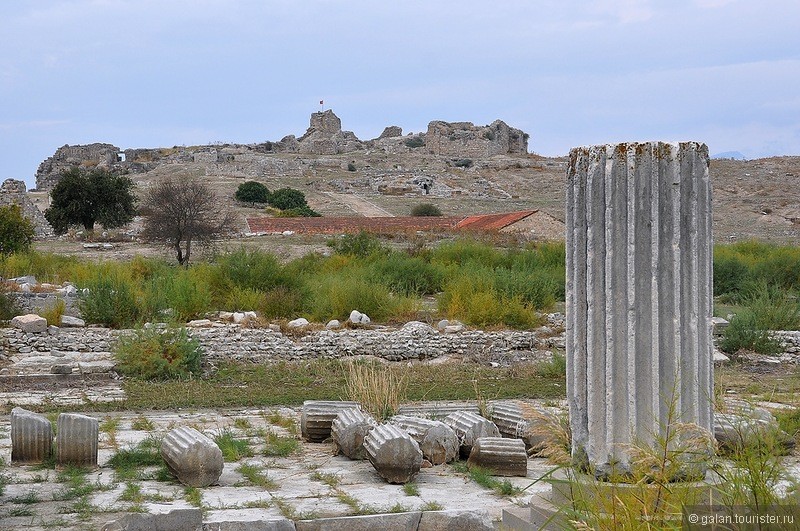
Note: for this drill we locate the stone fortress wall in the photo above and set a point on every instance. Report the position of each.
(324, 136)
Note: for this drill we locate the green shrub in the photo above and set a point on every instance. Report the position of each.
(767, 308)
(298, 212)
(462, 163)
(463, 251)
(426, 210)
(250, 269)
(414, 142)
(16, 231)
(155, 354)
(281, 301)
(53, 312)
(286, 198)
(473, 299)
(8, 303)
(351, 167)
(334, 296)
(242, 299)
(538, 288)
(409, 275)
(252, 192)
(360, 245)
(178, 294)
(730, 273)
(110, 301)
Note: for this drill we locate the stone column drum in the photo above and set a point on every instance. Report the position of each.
(639, 297)
(31, 436)
(77, 439)
(192, 457)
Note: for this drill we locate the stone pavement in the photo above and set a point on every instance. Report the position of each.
(313, 483)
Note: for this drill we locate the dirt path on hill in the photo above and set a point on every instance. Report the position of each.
(359, 205)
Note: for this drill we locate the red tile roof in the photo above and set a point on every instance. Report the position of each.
(489, 222)
(338, 225)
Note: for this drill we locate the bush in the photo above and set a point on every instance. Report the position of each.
(155, 354)
(336, 295)
(299, 212)
(180, 294)
(426, 210)
(462, 163)
(53, 312)
(16, 231)
(281, 302)
(351, 167)
(254, 269)
(360, 245)
(409, 275)
(414, 142)
(767, 308)
(8, 303)
(287, 198)
(473, 298)
(252, 192)
(110, 301)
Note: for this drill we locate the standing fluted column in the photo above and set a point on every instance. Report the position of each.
(639, 297)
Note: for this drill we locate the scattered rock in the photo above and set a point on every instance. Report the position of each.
(357, 317)
(297, 323)
(332, 324)
(30, 323)
(69, 321)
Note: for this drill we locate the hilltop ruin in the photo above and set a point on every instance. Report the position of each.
(324, 136)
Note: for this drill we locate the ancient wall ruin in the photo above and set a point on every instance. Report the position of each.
(324, 136)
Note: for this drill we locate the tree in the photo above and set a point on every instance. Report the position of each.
(84, 198)
(16, 231)
(252, 192)
(179, 214)
(287, 198)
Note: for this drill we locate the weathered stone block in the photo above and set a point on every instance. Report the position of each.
(523, 421)
(175, 520)
(76, 439)
(195, 459)
(470, 427)
(503, 456)
(436, 411)
(30, 323)
(318, 415)
(348, 431)
(372, 522)
(31, 436)
(456, 520)
(393, 453)
(437, 441)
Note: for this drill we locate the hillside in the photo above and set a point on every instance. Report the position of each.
(461, 168)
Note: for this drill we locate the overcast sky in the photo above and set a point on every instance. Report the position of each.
(159, 73)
